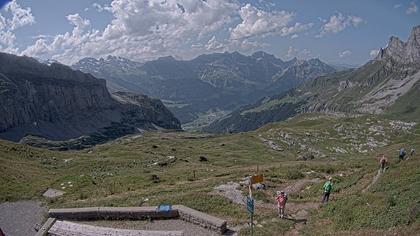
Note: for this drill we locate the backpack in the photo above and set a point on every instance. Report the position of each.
(281, 199)
(328, 186)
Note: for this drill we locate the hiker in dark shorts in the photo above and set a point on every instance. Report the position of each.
(382, 162)
(327, 190)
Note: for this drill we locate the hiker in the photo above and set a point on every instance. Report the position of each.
(281, 202)
(402, 154)
(327, 190)
(383, 161)
(412, 152)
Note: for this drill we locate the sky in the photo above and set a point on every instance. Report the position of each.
(336, 31)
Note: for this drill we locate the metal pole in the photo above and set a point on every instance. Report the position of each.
(252, 224)
(251, 213)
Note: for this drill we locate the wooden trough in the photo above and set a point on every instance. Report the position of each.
(58, 225)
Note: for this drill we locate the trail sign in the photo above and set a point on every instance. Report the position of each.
(250, 205)
(257, 179)
(250, 208)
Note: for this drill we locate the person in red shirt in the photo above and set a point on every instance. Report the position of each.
(281, 203)
(383, 161)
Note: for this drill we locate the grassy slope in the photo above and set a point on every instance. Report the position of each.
(120, 173)
(407, 107)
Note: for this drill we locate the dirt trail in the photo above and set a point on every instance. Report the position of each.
(374, 180)
(297, 211)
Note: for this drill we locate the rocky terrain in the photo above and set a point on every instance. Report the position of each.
(209, 173)
(388, 85)
(56, 103)
(219, 81)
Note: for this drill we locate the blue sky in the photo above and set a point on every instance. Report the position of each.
(335, 31)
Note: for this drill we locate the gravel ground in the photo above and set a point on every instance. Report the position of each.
(19, 218)
(167, 225)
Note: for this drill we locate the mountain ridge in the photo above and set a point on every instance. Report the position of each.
(217, 81)
(58, 103)
(376, 87)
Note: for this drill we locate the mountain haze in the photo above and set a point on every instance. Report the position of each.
(219, 81)
(387, 85)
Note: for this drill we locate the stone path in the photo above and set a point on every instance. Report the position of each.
(231, 191)
(19, 218)
(374, 180)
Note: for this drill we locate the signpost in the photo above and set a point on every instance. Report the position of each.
(256, 179)
(250, 208)
(250, 200)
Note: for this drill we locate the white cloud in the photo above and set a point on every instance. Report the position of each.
(338, 23)
(99, 8)
(294, 36)
(142, 29)
(298, 53)
(20, 17)
(373, 53)
(147, 29)
(412, 8)
(3, 22)
(213, 44)
(256, 22)
(396, 6)
(344, 53)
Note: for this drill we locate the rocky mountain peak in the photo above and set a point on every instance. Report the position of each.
(413, 45)
(403, 52)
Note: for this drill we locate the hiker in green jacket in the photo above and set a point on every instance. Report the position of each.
(327, 190)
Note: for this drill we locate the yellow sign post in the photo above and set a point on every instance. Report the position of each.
(257, 179)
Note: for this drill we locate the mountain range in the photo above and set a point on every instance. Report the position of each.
(57, 103)
(213, 82)
(388, 85)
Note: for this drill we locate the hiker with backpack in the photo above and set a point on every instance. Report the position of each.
(402, 154)
(281, 199)
(327, 190)
(382, 162)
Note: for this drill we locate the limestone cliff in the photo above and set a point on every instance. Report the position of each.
(58, 103)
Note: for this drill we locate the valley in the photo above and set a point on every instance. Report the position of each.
(213, 117)
(384, 85)
(166, 167)
(219, 81)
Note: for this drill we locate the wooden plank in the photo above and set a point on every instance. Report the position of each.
(45, 227)
(200, 218)
(111, 213)
(66, 228)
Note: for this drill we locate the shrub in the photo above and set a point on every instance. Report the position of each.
(294, 174)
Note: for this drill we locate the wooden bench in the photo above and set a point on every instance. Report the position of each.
(139, 213)
(66, 228)
(202, 219)
(111, 213)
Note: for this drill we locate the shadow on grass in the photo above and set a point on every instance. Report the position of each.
(295, 220)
